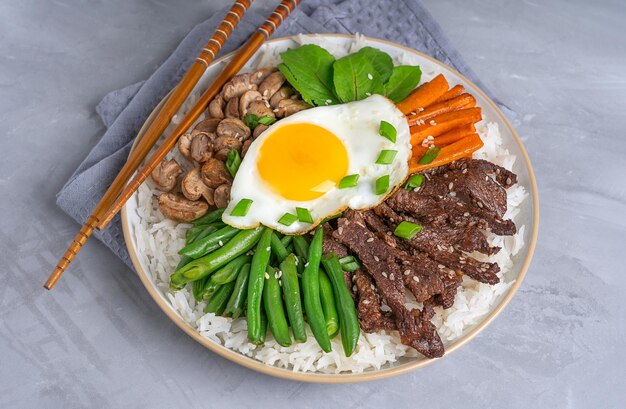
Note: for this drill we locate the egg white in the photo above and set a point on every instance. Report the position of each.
(356, 124)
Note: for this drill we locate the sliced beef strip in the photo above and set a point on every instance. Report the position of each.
(429, 241)
(470, 182)
(451, 283)
(371, 317)
(414, 326)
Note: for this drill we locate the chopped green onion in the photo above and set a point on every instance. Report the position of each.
(267, 120)
(407, 230)
(388, 131)
(414, 181)
(386, 157)
(233, 160)
(332, 217)
(304, 215)
(288, 219)
(346, 259)
(348, 181)
(351, 267)
(241, 208)
(252, 120)
(382, 184)
(430, 155)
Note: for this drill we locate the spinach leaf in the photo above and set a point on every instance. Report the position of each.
(309, 69)
(402, 81)
(355, 78)
(380, 60)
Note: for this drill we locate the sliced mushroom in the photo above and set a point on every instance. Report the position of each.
(194, 188)
(260, 128)
(224, 144)
(222, 195)
(206, 126)
(215, 173)
(245, 147)
(216, 107)
(290, 106)
(271, 84)
(245, 99)
(184, 145)
(201, 148)
(259, 75)
(260, 109)
(178, 207)
(166, 174)
(233, 127)
(284, 92)
(237, 86)
(232, 108)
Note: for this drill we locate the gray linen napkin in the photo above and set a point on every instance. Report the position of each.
(124, 111)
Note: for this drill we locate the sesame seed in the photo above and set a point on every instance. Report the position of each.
(276, 275)
(487, 178)
(391, 276)
(280, 283)
(407, 272)
(328, 101)
(306, 264)
(450, 186)
(433, 122)
(221, 243)
(376, 258)
(466, 214)
(480, 204)
(368, 94)
(453, 194)
(267, 276)
(416, 279)
(420, 109)
(340, 230)
(497, 171)
(441, 266)
(366, 302)
(275, 110)
(464, 171)
(508, 181)
(370, 77)
(384, 274)
(413, 113)
(373, 287)
(354, 288)
(296, 260)
(371, 239)
(268, 248)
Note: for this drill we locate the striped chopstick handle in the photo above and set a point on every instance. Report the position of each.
(72, 251)
(277, 17)
(223, 31)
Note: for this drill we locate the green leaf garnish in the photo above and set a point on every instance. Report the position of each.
(407, 230)
(414, 181)
(382, 184)
(309, 69)
(403, 80)
(386, 157)
(304, 215)
(241, 208)
(355, 78)
(388, 131)
(348, 181)
(381, 62)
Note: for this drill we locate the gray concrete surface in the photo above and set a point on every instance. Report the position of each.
(98, 340)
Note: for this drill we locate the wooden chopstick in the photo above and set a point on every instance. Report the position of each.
(235, 64)
(154, 131)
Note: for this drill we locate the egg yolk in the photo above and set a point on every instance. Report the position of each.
(302, 161)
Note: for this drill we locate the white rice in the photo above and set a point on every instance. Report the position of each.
(159, 239)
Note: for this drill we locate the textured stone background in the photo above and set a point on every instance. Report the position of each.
(98, 339)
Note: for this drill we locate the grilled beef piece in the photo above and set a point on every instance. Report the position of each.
(371, 317)
(430, 241)
(473, 181)
(451, 283)
(414, 326)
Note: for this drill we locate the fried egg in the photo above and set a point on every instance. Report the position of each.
(295, 167)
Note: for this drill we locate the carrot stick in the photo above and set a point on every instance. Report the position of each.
(444, 123)
(454, 104)
(454, 135)
(451, 93)
(450, 153)
(424, 95)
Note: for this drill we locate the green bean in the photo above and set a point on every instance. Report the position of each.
(273, 303)
(218, 302)
(211, 217)
(286, 240)
(348, 320)
(328, 305)
(195, 233)
(184, 260)
(258, 268)
(263, 332)
(202, 267)
(311, 291)
(278, 248)
(229, 272)
(301, 247)
(237, 300)
(210, 243)
(291, 294)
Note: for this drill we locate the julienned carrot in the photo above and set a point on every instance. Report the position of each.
(424, 95)
(451, 93)
(454, 104)
(454, 135)
(450, 153)
(444, 123)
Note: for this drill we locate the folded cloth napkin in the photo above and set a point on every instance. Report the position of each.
(124, 111)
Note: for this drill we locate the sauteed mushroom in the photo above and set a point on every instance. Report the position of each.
(206, 126)
(216, 107)
(194, 188)
(259, 75)
(237, 86)
(201, 148)
(222, 195)
(178, 207)
(233, 127)
(214, 173)
(290, 106)
(260, 109)
(271, 84)
(246, 99)
(232, 108)
(224, 144)
(166, 174)
(284, 92)
(184, 145)
(260, 128)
